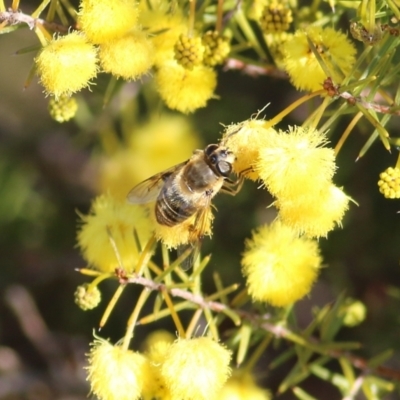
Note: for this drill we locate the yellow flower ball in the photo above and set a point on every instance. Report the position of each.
(354, 312)
(119, 219)
(315, 213)
(67, 64)
(115, 373)
(280, 267)
(157, 337)
(245, 140)
(128, 57)
(158, 345)
(295, 162)
(243, 387)
(189, 231)
(165, 29)
(196, 368)
(185, 90)
(304, 69)
(105, 20)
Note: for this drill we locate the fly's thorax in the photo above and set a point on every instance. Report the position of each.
(198, 176)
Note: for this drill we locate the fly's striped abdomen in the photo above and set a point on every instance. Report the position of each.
(172, 208)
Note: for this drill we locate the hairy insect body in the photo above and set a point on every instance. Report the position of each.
(187, 191)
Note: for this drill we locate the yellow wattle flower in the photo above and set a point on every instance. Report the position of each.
(316, 213)
(67, 64)
(186, 232)
(196, 368)
(115, 373)
(157, 346)
(109, 216)
(304, 69)
(242, 386)
(105, 20)
(280, 267)
(295, 162)
(185, 90)
(128, 56)
(245, 140)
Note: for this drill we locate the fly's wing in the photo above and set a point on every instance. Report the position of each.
(148, 190)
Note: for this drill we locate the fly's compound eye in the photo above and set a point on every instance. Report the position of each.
(224, 168)
(210, 149)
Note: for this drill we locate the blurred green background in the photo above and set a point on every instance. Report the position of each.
(46, 175)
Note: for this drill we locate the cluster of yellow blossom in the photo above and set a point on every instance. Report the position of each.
(111, 219)
(184, 369)
(110, 35)
(127, 39)
(280, 266)
(282, 260)
(307, 71)
(296, 168)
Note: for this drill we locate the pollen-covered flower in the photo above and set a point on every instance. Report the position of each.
(314, 214)
(128, 56)
(153, 147)
(304, 69)
(105, 20)
(67, 64)
(115, 373)
(389, 183)
(118, 219)
(294, 162)
(196, 368)
(243, 387)
(245, 140)
(188, 231)
(157, 343)
(185, 90)
(165, 28)
(157, 346)
(280, 266)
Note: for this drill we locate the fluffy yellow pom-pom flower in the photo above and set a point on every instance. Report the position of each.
(104, 20)
(295, 163)
(316, 213)
(280, 266)
(128, 57)
(67, 64)
(245, 140)
(119, 219)
(304, 69)
(185, 90)
(196, 369)
(115, 373)
(243, 387)
(157, 349)
(186, 232)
